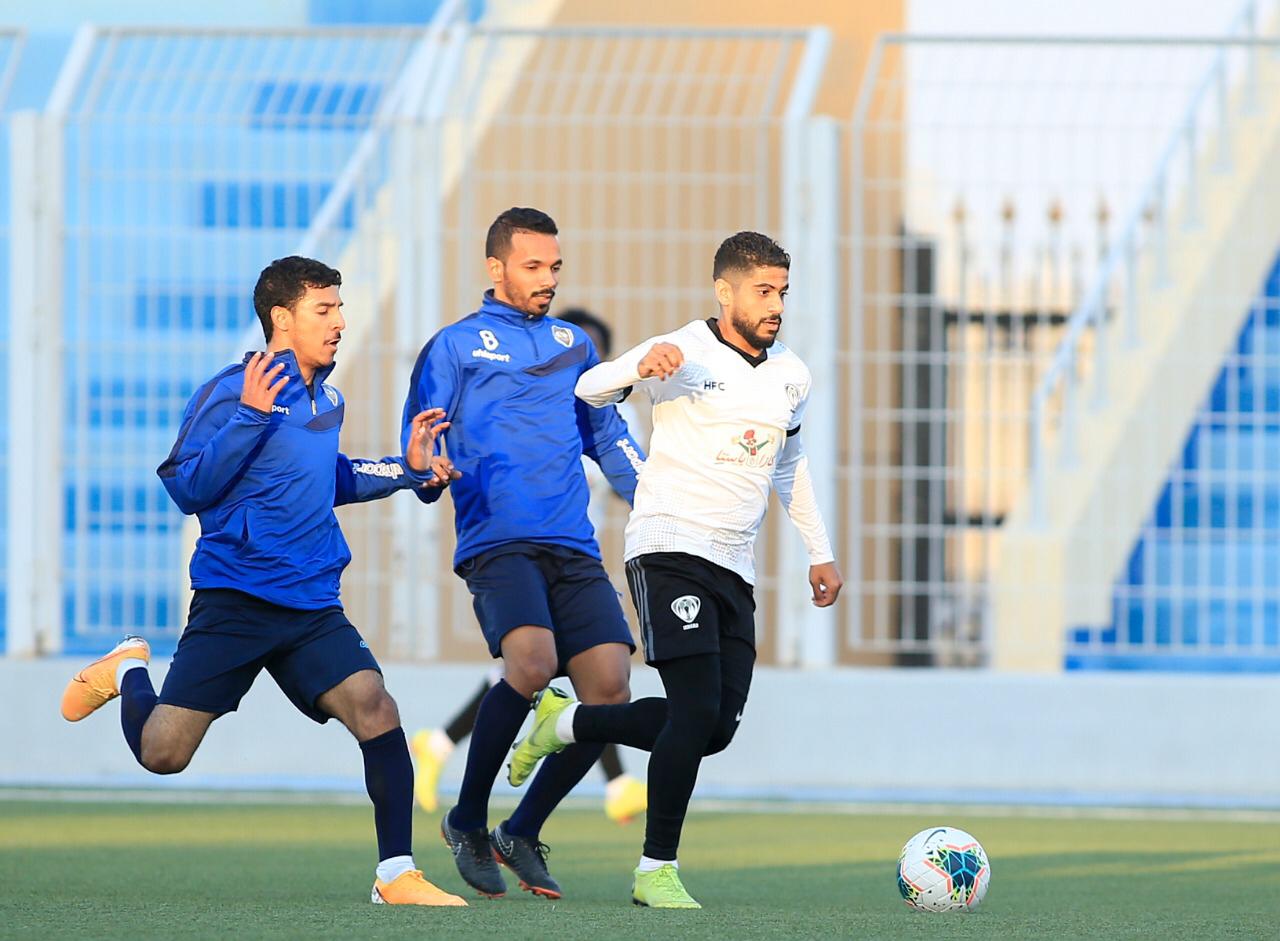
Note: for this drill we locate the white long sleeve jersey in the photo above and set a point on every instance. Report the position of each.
(724, 433)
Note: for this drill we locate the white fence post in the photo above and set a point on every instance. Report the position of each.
(824, 311)
(809, 187)
(34, 577)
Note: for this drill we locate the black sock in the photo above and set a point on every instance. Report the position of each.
(611, 762)
(693, 710)
(460, 726)
(556, 778)
(388, 777)
(498, 720)
(137, 701)
(636, 723)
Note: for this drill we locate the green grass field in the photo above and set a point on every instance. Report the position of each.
(106, 870)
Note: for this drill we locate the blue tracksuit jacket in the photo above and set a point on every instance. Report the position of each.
(517, 432)
(265, 485)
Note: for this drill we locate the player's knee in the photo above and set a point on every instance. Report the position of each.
(609, 691)
(531, 674)
(164, 759)
(700, 717)
(726, 728)
(377, 714)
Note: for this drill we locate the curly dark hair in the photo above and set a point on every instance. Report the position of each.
(744, 251)
(284, 282)
(497, 244)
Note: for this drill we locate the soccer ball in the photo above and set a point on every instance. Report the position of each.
(943, 869)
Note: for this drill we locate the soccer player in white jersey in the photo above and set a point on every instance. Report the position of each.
(727, 406)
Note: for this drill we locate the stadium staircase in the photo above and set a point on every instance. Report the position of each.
(1057, 597)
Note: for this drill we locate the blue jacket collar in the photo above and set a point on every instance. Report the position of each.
(491, 305)
(291, 366)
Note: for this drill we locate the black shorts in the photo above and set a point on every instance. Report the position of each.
(685, 604)
(231, 637)
(542, 585)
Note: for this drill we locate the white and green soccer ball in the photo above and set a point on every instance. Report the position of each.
(943, 869)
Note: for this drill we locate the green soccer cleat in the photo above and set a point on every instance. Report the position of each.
(542, 739)
(661, 888)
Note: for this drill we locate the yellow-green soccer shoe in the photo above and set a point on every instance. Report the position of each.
(542, 739)
(661, 888)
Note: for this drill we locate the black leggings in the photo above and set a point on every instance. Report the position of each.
(699, 716)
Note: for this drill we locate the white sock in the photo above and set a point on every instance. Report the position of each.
(653, 865)
(124, 666)
(440, 744)
(393, 868)
(564, 723)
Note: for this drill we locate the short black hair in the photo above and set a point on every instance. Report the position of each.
(581, 317)
(744, 251)
(497, 244)
(284, 282)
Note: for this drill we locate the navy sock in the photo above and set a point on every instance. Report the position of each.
(556, 778)
(137, 701)
(498, 720)
(388, 777)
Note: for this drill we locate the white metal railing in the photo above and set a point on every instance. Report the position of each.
(1143, 244)
(999, 186)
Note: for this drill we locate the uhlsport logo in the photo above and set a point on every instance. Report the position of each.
(686, 608)
(562, 335)
(750, 449)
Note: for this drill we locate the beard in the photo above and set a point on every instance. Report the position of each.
(531, 304)
(754, 333)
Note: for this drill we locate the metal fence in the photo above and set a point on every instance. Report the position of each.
(11, 43)
(181, 162)
(977, 285)
(997, 182)
(648, 146)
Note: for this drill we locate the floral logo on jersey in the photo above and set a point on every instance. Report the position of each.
(331, 394)
(750, 449)
(562, 335)
(793, 394)
(686, 608)
(489, 340)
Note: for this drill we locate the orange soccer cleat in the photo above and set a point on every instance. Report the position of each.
(410, 888)
(95, 685)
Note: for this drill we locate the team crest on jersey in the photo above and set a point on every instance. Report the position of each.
(686, 608)
(793, 394)
(562, 335)
(330, 393)
(750, 449)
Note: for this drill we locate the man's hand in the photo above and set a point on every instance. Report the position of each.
(442, 471)
(420, 454)
(663, 360)
(826, 583)
(259, 392)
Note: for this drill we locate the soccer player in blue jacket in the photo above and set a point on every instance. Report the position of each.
(505, 376)
(257, 460)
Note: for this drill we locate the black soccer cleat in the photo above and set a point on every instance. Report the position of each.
(527, 859)
(474, 859)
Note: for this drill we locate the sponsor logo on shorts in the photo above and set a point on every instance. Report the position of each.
(686, 608)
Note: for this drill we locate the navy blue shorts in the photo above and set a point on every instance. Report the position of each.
(566, 591)
(231, 637)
